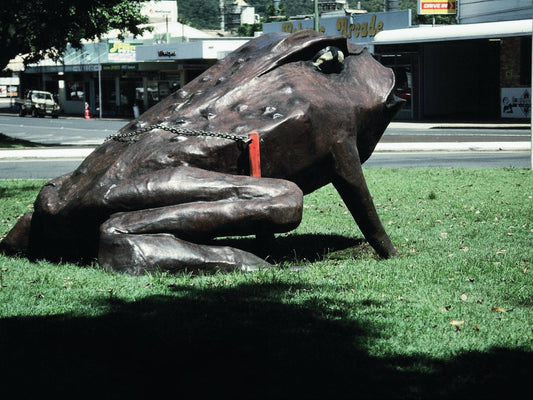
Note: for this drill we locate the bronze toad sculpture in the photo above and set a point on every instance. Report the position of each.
(148, 198)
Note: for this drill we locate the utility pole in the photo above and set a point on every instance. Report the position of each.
(101, 108)
(316, 15)
(222, 17)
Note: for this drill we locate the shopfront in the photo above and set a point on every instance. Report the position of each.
(362, 29)
(459, 72)
(127, 77)
(455, 72)
(128, 85)
(405, 62)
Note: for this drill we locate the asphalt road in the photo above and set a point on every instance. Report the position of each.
(90, 132)
(405, 140)
(60, 131)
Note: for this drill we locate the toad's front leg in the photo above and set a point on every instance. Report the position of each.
(168, 238)
(350, 182)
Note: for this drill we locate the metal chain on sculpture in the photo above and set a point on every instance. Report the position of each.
(132, 136)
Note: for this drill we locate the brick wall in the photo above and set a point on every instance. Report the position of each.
(510, 62)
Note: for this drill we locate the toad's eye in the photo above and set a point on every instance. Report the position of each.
(329, 60)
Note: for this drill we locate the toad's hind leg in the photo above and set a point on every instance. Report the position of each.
(169, 238)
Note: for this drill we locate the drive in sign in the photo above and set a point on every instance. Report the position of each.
(428, 7)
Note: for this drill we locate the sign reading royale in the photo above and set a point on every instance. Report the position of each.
(358, 28)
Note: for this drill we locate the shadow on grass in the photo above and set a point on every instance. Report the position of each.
(296, 248)
(292, 249)
(244, 342)
(7, 142)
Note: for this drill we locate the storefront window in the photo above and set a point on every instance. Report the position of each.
(75, 91)
(404, 83)
(402, 65)
(152, 94)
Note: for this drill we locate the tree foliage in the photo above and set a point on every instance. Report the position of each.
(200, 14)
(43, 28)
(205, 14)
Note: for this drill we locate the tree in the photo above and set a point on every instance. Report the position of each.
(43, 28)
(201, 14)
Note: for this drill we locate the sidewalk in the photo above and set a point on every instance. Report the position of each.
(421, 137)
(428, 137)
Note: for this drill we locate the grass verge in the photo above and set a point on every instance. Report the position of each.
(452, 316)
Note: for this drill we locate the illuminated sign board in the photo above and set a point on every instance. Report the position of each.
(432, 7)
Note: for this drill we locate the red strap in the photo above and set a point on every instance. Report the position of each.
(255, 158)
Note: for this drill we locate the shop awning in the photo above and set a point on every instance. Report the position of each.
(441, 33)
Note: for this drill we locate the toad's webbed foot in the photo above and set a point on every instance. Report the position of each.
(17, 240)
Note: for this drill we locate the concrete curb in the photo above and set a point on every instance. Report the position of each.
(82, 152)
(453, 146)
(45, 153)
(421, 126)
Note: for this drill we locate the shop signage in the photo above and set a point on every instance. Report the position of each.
(192, 67)
(362, 29)
(84, 68)
(358, 28)
(122, 51)
(160, 11)
(162, 53)
(432, 7)
(516, 103)
(120, 67)
(8, 91)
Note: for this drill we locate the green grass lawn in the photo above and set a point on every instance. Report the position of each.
(451, 317)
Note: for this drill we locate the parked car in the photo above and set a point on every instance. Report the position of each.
(38, 103)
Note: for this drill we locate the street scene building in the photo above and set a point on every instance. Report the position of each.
(477, 69)
(130, 75)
